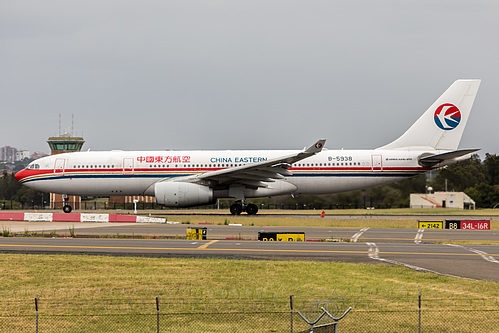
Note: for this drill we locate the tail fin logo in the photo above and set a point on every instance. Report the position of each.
(447, 116)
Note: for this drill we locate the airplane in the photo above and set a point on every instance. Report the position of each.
(195, 178)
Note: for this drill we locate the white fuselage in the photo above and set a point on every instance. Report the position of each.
(110, 173)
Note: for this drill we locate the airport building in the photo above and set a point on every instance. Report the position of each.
(457, 200)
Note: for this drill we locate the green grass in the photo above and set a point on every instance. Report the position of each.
(95, 286)
(37, 272)
(300, 221)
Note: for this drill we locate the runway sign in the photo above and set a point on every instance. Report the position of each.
(196, 233)
(430, 224)
(468, 224)
(281, 236)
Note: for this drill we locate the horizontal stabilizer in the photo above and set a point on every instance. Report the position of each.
(432, 160)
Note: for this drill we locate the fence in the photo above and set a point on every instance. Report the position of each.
(207, 310)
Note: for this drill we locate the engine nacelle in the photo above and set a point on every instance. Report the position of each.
(179, 194)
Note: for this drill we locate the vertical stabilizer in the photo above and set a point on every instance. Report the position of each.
(441, 126)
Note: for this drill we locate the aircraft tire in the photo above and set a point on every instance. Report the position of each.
(251, 209)
(67, 209)
(236, 209)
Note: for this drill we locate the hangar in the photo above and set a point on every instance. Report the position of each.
(457, 200)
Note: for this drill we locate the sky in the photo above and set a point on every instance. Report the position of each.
(269, 74)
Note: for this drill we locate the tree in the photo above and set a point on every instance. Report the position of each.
(461, 175)
(491, 164)
(484, 195)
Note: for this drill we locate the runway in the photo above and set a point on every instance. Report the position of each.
(420, 249)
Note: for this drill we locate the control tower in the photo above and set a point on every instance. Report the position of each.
(65, 143)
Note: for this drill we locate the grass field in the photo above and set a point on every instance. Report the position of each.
(63, 281)
(387, 219)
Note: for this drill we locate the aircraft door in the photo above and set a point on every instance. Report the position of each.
(128, 166)
(59, 166)
(377, 163)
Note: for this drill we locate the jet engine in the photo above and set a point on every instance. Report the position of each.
(180, 194)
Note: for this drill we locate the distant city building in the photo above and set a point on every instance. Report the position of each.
(22, 154)
(38, 154)
(8, 154)
(11, 154)
(458, 200)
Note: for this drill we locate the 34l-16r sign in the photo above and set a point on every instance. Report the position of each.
(468, 224)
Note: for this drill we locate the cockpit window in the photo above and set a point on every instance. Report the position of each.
(33, 166)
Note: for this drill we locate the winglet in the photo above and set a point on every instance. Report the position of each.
(316, 147)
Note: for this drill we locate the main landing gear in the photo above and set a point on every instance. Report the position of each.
(238, 207)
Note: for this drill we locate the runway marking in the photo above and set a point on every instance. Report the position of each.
(355, 237)
(419, 236)
(375, 252)
(482, 254)
(202, 247)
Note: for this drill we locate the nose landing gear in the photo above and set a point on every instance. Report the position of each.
(66, 208)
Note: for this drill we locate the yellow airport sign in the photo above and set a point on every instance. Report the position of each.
(430, 224)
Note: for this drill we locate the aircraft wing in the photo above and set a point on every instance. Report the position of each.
(429, 161)
(254, 175)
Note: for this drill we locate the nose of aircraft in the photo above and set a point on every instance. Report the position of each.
(20, 175)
